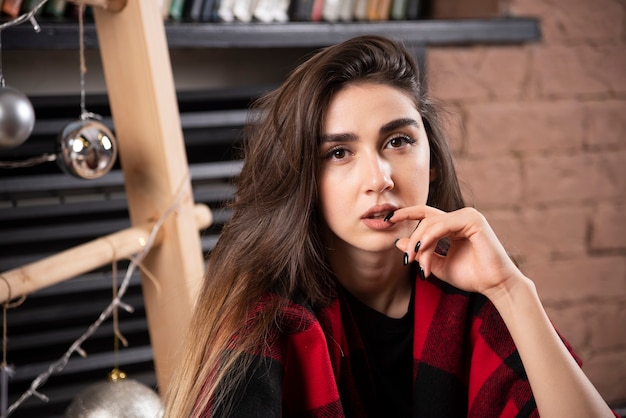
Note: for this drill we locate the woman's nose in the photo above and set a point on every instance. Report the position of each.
(376, 174)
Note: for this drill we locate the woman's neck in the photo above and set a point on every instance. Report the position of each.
(380, 281)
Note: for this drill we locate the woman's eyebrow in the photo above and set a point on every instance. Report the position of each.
(396, 124)
(385, 129)
(343, 137)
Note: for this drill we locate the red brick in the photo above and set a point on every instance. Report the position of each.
(607, 324)
(491, 183)
(611, 62)
(476, 72)
(608, 230)
(574, 20)
(616, 172)
(579, 279)
(513, 62)
(570, 71)
(574, 178)
(605, 124)
(451, 118)
(541, 234)
(449, 73)
(497, 128)
(607, 371)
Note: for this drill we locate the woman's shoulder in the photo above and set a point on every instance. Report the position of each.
(294, 314)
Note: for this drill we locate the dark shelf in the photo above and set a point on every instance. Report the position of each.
(56, 35)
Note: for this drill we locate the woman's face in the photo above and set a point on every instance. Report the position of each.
(375, 158)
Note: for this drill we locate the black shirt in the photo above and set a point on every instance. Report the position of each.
(389, 346)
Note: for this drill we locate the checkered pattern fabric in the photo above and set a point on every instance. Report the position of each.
(465, 363)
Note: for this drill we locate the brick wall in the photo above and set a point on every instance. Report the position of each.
(539, 133)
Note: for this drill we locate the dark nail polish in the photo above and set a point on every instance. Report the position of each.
(405, 261)
(388, 216)
(417, 246)
(421, 273)
(396, 241)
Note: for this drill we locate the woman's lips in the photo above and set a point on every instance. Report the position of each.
(374, 217)
(379, 211)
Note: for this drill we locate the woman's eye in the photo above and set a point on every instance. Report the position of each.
(336, 154)
(400, 141)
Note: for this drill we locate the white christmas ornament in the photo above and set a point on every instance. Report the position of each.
(86, 149)
(17, 117)
(118, 397)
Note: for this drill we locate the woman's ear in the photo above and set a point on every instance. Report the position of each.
(433, 174)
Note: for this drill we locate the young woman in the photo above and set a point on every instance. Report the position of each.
(352, 281)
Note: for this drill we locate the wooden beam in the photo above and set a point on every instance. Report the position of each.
(84, 258)
(142, 98)
(110, 5)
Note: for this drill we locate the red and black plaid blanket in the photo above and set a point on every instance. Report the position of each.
(465, 363)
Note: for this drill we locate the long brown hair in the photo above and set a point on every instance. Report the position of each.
(273, 244)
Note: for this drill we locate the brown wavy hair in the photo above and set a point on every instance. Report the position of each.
(273, 242)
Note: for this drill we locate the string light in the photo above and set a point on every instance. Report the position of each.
(116, 302)
(135, 261)
(30, 16)
(6, 371)
(28, 162)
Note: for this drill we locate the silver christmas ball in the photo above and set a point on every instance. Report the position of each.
(17, 117)
(123, 398)
(86, 149)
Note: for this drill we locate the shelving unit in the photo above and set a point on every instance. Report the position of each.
(55, 35)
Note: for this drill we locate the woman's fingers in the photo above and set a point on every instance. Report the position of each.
(473, 246)
(414, 213)
(455, 226)
(433, 225)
